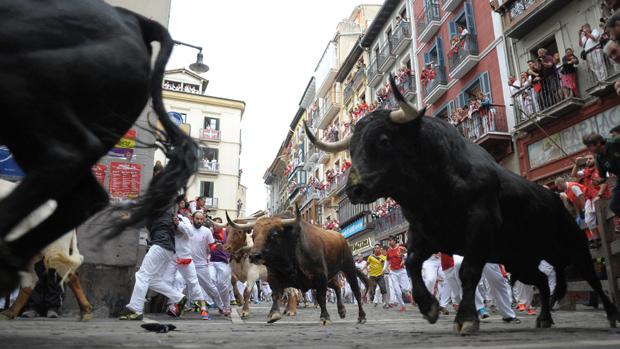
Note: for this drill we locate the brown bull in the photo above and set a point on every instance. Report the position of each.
(239, 243)
(300, 255)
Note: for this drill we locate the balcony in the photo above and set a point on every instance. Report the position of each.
(359, 77)
(211, 203)
(393, 222)
(374, 76)
(520, 16)
(489, 129)
(602, 83)
(314, 116)
(435, 87)
(326, 70)
(330, 108)
(450, 5)
(296, 181)
(401, 37)
(463, 57)
(309, 195)
(551, 102)
(209, 167)
(348, 92)
(407, 88)
(386, 58)
(210, 135)
(323, 157)
(428, 22)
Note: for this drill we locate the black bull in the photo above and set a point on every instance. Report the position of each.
(75, 77)
(458, 200)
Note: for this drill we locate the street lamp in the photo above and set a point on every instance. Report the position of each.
(198, 67)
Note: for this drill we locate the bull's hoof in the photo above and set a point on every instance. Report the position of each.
(613, 320)
(544, 323)
(245, 314)
(361, 320)
(273, 317)
(325, 321)
(342, 312)
(6, 315)
(290, 313)
(433, 314)
(86, 317)
(469, 328)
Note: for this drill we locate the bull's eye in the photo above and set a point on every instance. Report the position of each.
(273, 234)
(384, 142)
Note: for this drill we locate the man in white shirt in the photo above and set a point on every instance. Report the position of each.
(590, 41)
(184, 263)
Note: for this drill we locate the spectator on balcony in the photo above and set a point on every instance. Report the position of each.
(464, 37)
(484, 108)
(360, 63)
(590, 42)
(613, 26)
(568, 73)
(548, 74)
(535, 80)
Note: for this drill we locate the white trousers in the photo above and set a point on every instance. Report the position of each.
(548, 270)
(590, 215)
(499, 289)
(454, 281)
(207, 283)
(400, 281)
(150, 275)
(188, 272)
(220, 275)
(523, 293)
(430, 270)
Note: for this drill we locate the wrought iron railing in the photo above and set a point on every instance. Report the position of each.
(393, 219)
(460, 51)
(439, 78)
(402, 32)
(384, 53)
(484, 121)
(373, 70)
(429, 14)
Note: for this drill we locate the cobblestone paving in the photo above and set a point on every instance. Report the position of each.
(385, 329)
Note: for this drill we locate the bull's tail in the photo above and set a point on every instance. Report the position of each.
(179, 148)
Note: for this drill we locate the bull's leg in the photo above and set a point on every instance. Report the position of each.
(274, 313)
(351, 275)
(86, 310)
(87, 199)
(333, 283)
(466, 321)
(18, 305)
(238, 297)
(291, 306)
(247, 293)
(429, 307)
(321, 297)
(539, 279)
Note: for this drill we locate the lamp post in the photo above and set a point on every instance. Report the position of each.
(198, 66)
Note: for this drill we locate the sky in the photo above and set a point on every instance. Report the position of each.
(263, 53)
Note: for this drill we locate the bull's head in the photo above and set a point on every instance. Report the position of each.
(374, 147)
(272, 238)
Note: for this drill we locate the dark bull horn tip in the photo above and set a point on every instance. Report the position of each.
(407, 111)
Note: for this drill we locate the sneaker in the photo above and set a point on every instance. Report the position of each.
(176, 310)
(531, 311)
(521, 307)
(484, 313)
(402, 309)
(29, 314)
(386, 306)
(233, 302)
(204, 315)
(511, 320)
(257, 302)
(52, 314)
(195, 307)
(130, 315)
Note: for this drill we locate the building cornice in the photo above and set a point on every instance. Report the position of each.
(200, 99)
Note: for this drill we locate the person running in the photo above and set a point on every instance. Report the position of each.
(362, 266)
(398, 275)
(500, 290)
(607, 152)
(219, 268)
(376, 268)
(161, 252)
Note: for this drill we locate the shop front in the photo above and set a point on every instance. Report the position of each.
(544, 156)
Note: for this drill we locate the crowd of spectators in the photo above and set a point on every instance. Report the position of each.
(177, 86)
(475, 118)
(382, 210)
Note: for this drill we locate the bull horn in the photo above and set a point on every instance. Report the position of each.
(291, 221)
(334, 147)
(407, 111)
(216, 224)
(239, 226)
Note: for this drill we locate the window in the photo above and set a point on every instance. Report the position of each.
(481, 84)
(207, 189)
(550, 44)
(377, 52)
(434, 57)
(209, 153)
(212, 123)
(389, 36)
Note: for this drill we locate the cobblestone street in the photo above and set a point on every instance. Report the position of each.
(385, 328)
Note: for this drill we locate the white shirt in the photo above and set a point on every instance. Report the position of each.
(589, 43)
(362, 266)
(199, 243)
(181, 238)
(575, 189)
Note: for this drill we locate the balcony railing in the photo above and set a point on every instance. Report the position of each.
(210, 134)
(438, 79)
(374, 76)
(407, 87)
(552, 99)
(358, 77)
(392, 220)
(340, 181)
(424, 21)
(211, 203)
(209, 166)
(601, 80)
(466, 48)
(401, 36)
(348, 92)
(309, 195)
(385, 57)
(315, 116)
(520, 16)
(483, 122)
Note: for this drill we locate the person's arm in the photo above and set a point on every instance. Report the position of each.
(580, 201)
(573, 172)
(210, 241)
(601, 191)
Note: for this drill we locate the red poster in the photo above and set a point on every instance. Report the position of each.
(99, 172)
(124, 180)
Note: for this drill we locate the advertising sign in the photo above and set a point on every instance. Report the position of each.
(124, 180)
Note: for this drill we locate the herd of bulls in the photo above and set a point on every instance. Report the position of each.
(457, 199)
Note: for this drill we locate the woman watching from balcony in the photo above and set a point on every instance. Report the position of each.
(568, 74)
